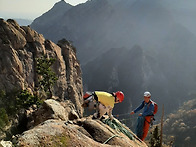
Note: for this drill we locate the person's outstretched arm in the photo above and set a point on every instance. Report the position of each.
(138, 108)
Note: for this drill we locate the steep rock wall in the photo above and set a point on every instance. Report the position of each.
(20, 46)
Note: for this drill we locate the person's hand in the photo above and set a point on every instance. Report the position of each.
(132, 112)
(140, 114)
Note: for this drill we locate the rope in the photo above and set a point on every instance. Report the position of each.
(111, 138)
(118, 115)
(113, 124)
(122, 114)
(127, 119)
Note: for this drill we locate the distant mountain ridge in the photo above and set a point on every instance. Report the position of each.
(23, 22)
(99, 26)
(113, 23)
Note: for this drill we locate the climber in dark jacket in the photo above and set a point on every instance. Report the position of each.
(144, 118)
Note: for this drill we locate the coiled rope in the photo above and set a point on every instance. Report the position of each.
(113, 124)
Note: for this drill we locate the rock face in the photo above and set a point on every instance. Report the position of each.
(60, 133)
(52, 109)
(20, 46)
(55, 124)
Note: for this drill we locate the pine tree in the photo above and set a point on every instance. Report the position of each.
(155, 138)
(3, 118)
(47, 76)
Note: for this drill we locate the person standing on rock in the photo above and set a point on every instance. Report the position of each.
(103, 102)
(145, 118)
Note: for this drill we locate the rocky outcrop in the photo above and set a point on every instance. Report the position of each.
(20, 46)
(6, 144)
(58, 130)
(54, 132)
(51, 109)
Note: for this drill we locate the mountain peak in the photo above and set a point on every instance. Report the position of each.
(53, 15)
(61, 5)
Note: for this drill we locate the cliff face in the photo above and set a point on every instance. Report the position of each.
(20, 46)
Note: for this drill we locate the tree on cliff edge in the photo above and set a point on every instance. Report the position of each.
(47, 76)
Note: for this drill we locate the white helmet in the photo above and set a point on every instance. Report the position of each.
(147, 94)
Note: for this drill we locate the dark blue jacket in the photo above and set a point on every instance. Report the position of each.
(148, 108)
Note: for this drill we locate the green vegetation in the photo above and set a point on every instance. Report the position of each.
(61, 141)
(179, 127)
(8, 101)
(25, 100)
(155, 138)
(11, 103)
(3, 118)
(47, 76)
(14, 101)
(55, 141)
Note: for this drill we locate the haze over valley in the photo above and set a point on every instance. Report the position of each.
(145, 44)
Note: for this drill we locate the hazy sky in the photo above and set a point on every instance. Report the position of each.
(29, 9)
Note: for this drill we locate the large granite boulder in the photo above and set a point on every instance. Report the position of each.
(83, 132)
